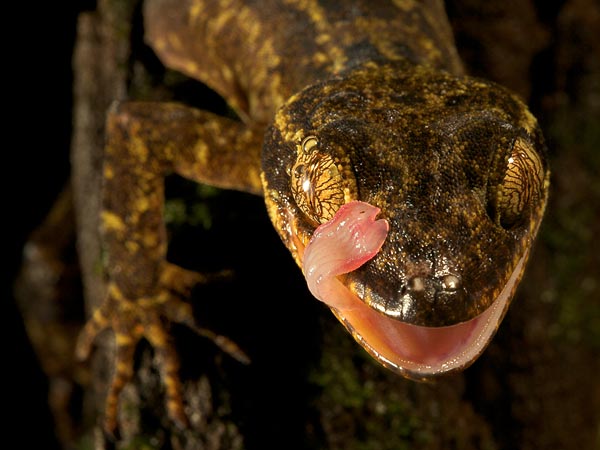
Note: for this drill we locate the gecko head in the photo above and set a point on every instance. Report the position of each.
(454, 165)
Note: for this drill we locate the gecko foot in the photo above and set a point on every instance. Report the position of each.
(149, 318)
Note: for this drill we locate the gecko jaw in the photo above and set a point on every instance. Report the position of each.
(344, 244)
(420, 352)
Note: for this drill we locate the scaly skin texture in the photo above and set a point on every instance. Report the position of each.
(377, 90)
(429, 149)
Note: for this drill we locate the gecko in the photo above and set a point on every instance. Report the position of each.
(353, 119)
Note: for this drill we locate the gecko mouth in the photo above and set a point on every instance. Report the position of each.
(418, 351)
(350, 239)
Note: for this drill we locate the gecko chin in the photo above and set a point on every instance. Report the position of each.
(420, 352)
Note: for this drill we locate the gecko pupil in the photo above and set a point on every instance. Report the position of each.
(299, 170)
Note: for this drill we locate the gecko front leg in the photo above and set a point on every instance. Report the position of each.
(145, 142)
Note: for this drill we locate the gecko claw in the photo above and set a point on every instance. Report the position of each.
(99, 321)
(224, 343)
(149, 318)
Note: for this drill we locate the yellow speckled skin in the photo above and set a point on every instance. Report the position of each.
(380, 86)
(430, 150)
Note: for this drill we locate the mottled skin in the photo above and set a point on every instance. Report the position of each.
(429, 149)
(395, 123)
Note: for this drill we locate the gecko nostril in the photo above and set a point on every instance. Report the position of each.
(416, 284)
(450, 282)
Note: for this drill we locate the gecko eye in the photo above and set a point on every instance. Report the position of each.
(521, 186)
(316, 183)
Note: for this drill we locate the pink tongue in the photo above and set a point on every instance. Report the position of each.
(340, 246)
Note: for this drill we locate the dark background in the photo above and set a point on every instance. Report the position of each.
(35, 168)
